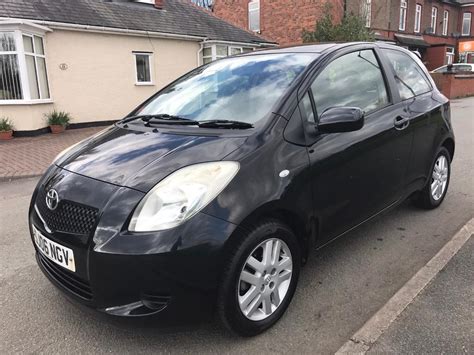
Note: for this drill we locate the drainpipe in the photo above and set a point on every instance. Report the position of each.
(201, 48)
(389, 17)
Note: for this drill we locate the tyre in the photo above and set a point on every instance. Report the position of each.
(259, 279)
(435, 190)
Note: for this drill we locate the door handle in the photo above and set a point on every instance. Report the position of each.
(401, 122)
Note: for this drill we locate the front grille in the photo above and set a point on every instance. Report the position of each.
(68, 217)
(68, 280)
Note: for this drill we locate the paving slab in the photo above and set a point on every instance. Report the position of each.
(441, 319)
(30, 156)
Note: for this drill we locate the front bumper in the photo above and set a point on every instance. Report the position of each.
(133, 274)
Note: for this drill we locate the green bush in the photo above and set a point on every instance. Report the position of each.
(350, 29)
(5, 124)
(58, 118)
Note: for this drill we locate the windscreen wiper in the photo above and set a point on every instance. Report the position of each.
(161, 118)
(225, 124)
(164, 118)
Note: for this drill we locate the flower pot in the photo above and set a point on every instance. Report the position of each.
(5, 135)
(57, 128)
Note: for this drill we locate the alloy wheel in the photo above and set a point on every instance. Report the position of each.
(439, 178)
(265, 279)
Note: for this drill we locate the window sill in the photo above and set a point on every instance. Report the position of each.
(25, 102)
(145, 84)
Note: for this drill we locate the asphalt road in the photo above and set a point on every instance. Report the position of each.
(340, 288)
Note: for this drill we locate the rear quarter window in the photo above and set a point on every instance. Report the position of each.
(410, 77)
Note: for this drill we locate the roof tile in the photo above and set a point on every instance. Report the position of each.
(176, 17)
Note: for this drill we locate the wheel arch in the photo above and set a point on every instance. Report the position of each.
(448, 143)
(304, 231)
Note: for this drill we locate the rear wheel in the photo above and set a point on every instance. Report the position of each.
(260, 279)
(435, 190)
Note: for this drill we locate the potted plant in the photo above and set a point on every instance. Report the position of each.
(57, 121)
(6, 128)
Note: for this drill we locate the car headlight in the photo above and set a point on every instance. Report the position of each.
(181, 195)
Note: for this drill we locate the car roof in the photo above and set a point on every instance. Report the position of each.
(317, 48)
(303, 48)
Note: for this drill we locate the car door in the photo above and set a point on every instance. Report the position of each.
(355, 174)
(423, 110)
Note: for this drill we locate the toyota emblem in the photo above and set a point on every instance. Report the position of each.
(52, 199)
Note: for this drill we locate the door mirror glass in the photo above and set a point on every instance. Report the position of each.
(341, 119)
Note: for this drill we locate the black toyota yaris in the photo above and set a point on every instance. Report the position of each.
(215, 190)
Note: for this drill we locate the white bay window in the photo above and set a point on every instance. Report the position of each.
(212, 52)
(10, 81)
(36, 67)
(23, 74)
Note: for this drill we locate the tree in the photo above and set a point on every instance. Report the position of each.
(350, 29)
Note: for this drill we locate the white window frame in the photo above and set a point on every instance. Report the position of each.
(418, 15)
(16, 53)
(403, 15)
(146, 1)
(445, 22)
(220, 56)
(36, 55)
(150, 62)
(214, 55)
(467, 16)
(254, 6)
(368, 13)
(449, 55)
(434, 19)
(19, 30)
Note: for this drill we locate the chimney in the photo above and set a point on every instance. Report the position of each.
(159, 4)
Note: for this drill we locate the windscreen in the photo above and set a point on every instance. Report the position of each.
(239, 88)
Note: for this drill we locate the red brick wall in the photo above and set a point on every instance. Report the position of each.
(454, 86)
(435, 57)
(233, 11)
(281, 21)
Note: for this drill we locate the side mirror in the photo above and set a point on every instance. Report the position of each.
(341, 119)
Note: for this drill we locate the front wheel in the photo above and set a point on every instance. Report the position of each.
(260, 279)
(437, 186)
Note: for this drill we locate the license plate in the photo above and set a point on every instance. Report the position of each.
(56, 252)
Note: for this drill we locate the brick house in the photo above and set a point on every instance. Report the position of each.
(280, 21)
(437, 29)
